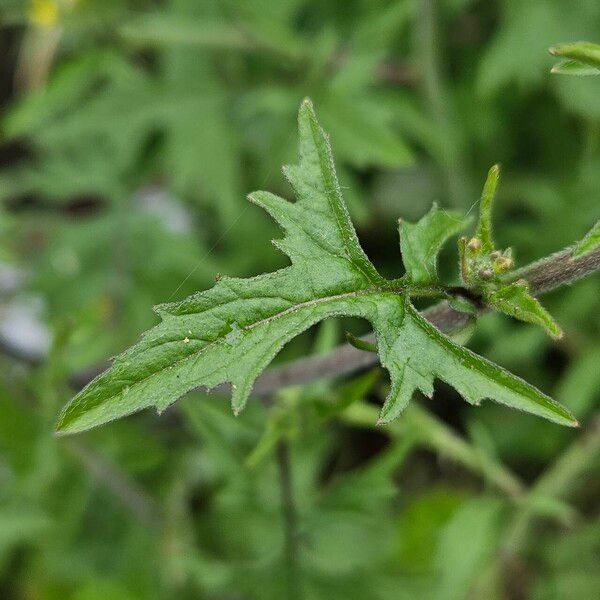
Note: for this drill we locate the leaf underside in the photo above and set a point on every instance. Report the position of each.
(231, 332)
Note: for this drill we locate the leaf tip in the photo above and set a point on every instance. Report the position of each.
(307, 107)
(58, 432)
(63, 427)
(495, 170)
(386, 415)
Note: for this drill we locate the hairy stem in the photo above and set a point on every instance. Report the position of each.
(557, 270)
(543, 276)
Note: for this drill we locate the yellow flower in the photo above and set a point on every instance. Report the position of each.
(43, 13)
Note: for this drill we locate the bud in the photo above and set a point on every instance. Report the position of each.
(474, 244)
(503, 263)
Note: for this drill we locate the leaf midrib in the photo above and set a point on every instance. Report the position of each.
(250, 327)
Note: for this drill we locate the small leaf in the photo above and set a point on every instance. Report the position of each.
(421, 242)
(516, 301)
(583, 52)
(574, 67)
(484, 227)
(589, 242)
(461, 304)
(359, 343)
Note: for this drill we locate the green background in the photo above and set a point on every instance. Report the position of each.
(130, 134)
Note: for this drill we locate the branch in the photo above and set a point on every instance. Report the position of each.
(558, 269)
(547, 274)
(432, 433)
(543, 276)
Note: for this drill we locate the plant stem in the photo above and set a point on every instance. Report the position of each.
(288, 510)
(557, 270)
(434, 434)
(555, 482)
(543, 276)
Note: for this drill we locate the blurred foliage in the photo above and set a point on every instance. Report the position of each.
(131, 131)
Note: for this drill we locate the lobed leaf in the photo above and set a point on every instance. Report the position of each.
(231, 332)
(420, 353)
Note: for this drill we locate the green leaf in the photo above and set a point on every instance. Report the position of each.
(359, 343)
(515, 52)
(421, 353)
(589, 242)
(421, 242)
(481, 265)
(574, 67)
(484, 227)
(461, 304)
(232, 332)
(515, 300)
(584, 53)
